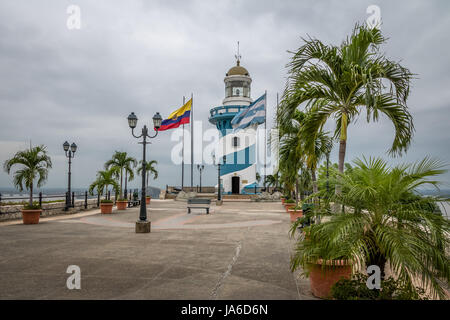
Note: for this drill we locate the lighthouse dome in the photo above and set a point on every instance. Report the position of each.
(238, 70)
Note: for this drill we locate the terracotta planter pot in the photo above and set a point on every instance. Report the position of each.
(295, 214)
(288, 206)
(322, 279)
(106, 207)
(121, 205)
(282, 200)
(147, 200)
(31, 216)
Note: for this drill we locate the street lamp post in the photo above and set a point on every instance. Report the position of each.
(142, 225)
(200, 168)
(219, 189)
(69, 154)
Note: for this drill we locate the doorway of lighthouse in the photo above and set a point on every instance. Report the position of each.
(235, 185)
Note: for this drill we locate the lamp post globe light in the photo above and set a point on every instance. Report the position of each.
(142, 225)
(200, 168)
(69, 154)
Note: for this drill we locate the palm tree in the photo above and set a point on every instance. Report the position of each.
(149, 170)
(290, 151)
(271, 180)
(122, 162)
(35, 164)
(384, 221)
(104, 180)
(339, 82)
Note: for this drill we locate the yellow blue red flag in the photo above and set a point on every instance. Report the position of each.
(178, 117)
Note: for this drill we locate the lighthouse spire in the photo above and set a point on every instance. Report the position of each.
(238, 56)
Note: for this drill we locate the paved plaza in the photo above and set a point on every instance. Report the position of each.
(239, 251)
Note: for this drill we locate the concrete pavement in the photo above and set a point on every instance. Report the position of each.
(239, 251)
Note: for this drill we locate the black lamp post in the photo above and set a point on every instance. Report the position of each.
(142, 225)
(219, 189)
(69, 154)
(200, 168)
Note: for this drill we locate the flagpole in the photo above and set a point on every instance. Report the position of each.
(182, 157)
(192, 142)
(265, 140)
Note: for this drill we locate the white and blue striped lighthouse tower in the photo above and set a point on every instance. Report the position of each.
(238, 175)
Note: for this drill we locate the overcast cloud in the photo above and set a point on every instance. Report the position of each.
(143, 56)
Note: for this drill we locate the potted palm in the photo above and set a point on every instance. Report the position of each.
(289, 203)
(383, 222)
(149, 170)
(35, 164)
(295, 212)
(104, 180)
(121, 163)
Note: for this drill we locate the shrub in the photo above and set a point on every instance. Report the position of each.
(106, 201)
(391, 289)
(34, 206)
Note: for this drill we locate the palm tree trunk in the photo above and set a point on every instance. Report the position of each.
(314, 180)
(30, 202)
(342, 147)
(148, 173)
(296, 192)
(121, 181)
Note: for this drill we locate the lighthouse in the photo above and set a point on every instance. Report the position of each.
(238, 174)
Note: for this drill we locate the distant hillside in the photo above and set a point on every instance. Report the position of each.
(442, 192)
(154, 192)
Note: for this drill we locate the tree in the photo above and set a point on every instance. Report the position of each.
(149, 170)
(339, 82)
(35, 164)
(104, 180)
(271, 180)
(384, 221)
(122, 162)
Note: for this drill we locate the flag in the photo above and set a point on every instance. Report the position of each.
(178, 117)
(254, 114)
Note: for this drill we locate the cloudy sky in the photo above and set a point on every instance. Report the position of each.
(60, 84)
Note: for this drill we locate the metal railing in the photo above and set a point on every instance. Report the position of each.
(41, 198)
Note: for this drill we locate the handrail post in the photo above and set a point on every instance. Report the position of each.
(73, 199)
(40, 199)
(98, 199)
(85, 200)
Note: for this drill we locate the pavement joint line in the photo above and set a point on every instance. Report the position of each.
(222, 279)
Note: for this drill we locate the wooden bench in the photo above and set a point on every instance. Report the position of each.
(198, 203)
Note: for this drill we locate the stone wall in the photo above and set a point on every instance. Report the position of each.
(49, 209)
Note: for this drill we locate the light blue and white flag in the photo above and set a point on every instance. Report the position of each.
(254, 114)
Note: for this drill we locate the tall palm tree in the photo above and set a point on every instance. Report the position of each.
(105, 179)
(122, 162)
(150, 169)
(338, 82)
(291, 152)
(35, 164)
(384, 221)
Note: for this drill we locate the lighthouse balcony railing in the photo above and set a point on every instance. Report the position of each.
(224, 110)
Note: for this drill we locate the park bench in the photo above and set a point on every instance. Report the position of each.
(198, 203)
(135, 201)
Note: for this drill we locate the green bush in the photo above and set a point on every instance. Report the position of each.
(34, 206)
(391, 289)
(106, 201)
(122, 199)
(289, 201)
